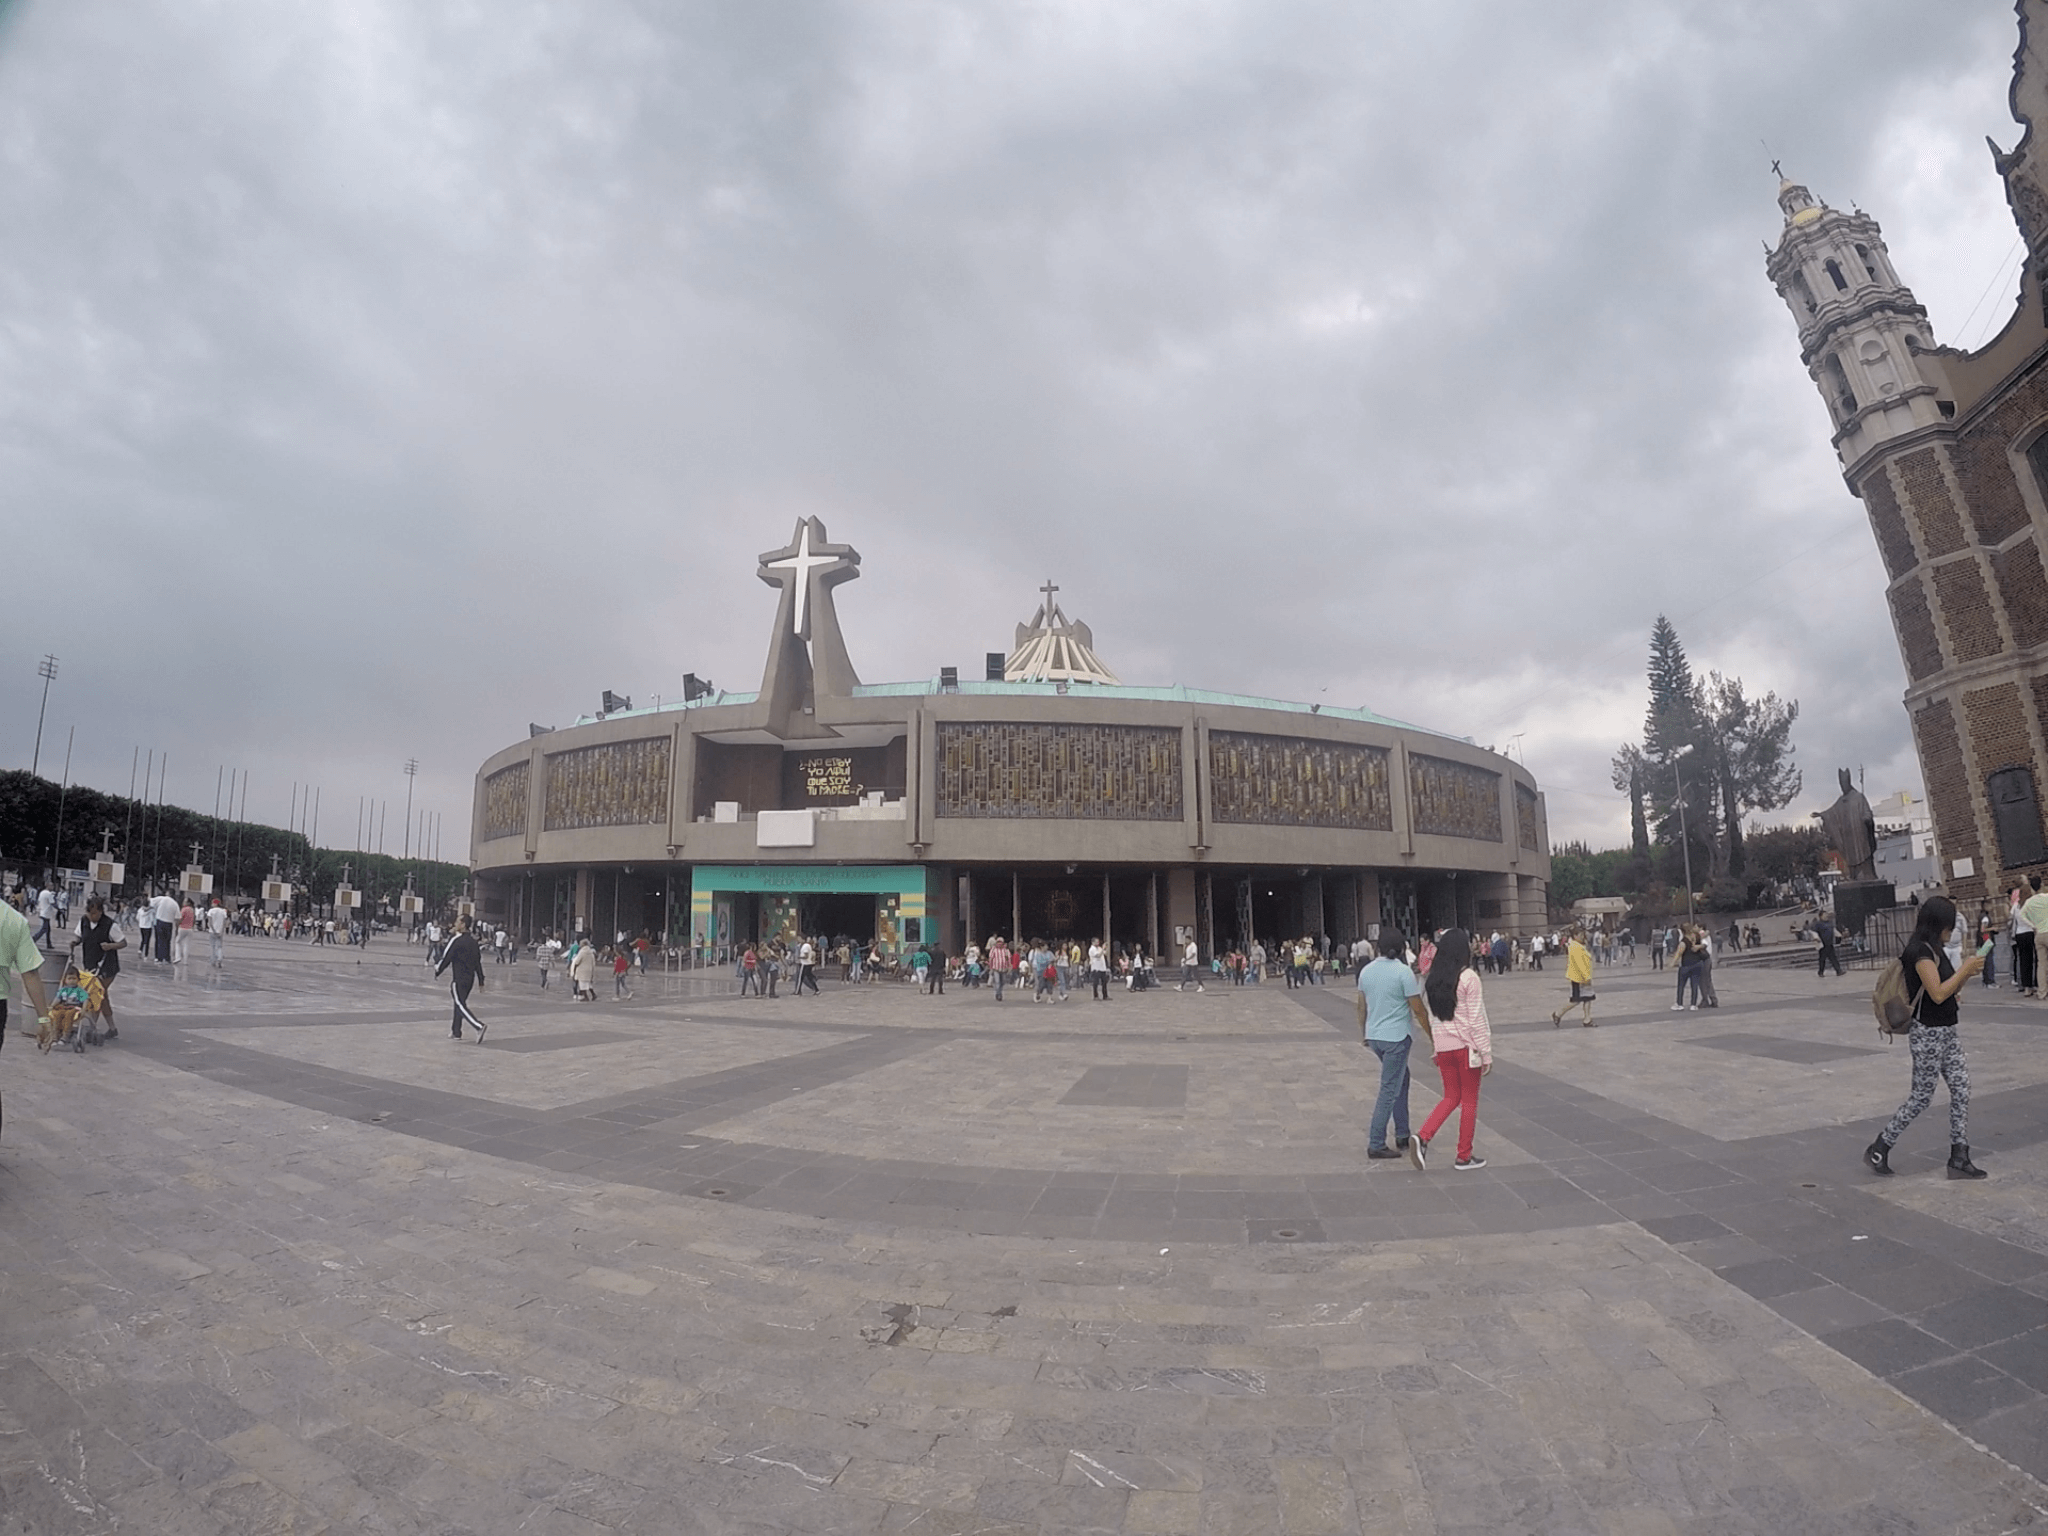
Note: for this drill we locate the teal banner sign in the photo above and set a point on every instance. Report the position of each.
(877, 879)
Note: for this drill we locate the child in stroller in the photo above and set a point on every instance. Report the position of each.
(76, 1013)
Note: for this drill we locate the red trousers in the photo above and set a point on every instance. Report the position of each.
(1461, 1092)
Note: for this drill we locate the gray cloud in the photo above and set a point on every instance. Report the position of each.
(378, 378)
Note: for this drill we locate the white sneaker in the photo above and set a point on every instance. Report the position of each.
(1678, 1007)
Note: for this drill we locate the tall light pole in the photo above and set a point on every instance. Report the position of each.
(412, 766)
(47, 671)
(1684, 842)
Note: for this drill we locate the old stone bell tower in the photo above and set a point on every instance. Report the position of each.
(1949, 452)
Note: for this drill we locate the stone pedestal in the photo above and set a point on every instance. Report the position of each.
(1855, 900)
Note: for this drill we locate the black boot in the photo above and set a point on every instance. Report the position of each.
(1959, 1164)
(1878, 1156)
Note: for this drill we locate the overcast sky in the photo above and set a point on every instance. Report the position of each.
(379, 377)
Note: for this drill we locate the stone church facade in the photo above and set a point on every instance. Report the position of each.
(1948, 451)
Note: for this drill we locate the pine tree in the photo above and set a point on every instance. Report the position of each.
(1673, 720)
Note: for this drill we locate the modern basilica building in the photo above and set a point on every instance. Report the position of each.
(1047, 799)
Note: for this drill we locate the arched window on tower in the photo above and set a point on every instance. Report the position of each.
(1804, 293)
(1833, 269)
(2016, 812)
(1838, 386)
(1869, 265)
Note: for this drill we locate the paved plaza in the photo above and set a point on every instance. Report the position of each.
(285, 1258)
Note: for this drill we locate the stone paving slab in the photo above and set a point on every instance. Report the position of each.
(422, 1339)
(1254, 1107)
(256, 1292)
(423, 1052)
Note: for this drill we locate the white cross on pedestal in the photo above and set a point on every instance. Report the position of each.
(801, 564)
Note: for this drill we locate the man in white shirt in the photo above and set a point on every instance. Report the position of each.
(1098, 970)
(166, 913)
(46, 914)
(1189, 959)
(216, 928)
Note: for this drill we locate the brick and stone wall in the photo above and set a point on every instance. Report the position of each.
(1959, 533)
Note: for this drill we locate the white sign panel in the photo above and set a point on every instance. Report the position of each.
(195, 883)
(1964, 868)
(411, 905)
(344, 896)
(786, 829)
(277, 890)
(107, 872)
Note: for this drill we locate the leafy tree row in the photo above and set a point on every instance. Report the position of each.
(155, 843)
(1777, 857)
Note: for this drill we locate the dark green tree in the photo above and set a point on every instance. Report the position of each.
(1752, 748)
(1628, 777)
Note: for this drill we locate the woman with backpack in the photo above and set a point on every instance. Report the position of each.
(1932, 982)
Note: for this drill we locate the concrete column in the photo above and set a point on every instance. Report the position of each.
(536, 795)
(1397, 796)
(1016, 908)
(913, 778)
(1152, 914)
(1180, 906)
(1312, 915)
(1509, 829)
(682, 789)
(967, 912)
(1105, 909)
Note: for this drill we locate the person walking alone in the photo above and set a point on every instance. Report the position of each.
(1098, 970)
(1191, 957)
(167, 910)
(1824, 930)
(999, 964)
(1932, 982)
(467, 962)
(1463, 1041)
(1578, 970)
(1392, 1000)
(216, 930)
(2022, 933)
(2035, 911)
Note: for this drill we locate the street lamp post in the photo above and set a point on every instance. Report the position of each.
(47, 671)
(412, 766)
(1684, 842)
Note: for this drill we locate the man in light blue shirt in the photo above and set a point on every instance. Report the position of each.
(1393, 1012)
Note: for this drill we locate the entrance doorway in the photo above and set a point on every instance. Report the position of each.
(840, 915)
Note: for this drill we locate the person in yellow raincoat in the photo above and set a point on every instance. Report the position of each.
(1578, 970)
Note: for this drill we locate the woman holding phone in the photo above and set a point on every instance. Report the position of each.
(1932, 982)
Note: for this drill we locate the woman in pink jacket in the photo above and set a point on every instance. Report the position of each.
(1464, 1044)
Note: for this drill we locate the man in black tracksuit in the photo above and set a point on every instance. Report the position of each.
(467, 962)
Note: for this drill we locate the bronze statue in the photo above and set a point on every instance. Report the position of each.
(1852, 831)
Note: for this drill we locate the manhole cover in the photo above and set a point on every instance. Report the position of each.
(1287, 1234)
(717, 1193)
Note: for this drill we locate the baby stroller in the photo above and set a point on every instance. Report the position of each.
(77, 1014)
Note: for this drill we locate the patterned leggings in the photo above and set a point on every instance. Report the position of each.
(1936, 1053)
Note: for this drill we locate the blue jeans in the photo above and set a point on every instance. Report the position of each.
(1393, 1099)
